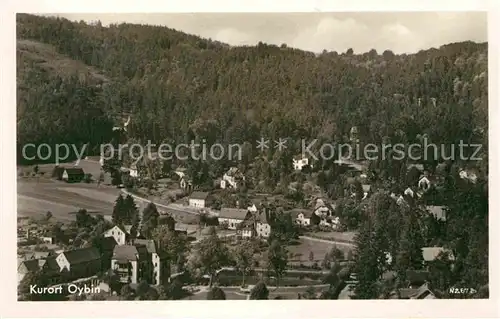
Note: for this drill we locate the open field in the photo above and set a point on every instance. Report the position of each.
(36, 198)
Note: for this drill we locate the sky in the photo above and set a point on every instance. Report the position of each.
(401, 32)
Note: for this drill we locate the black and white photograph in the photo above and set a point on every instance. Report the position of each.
(252, 156)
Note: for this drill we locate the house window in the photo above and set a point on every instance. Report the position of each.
(156, 264)
(112, 233)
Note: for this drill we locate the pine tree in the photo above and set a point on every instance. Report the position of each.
(150, 216)
(410, 248)
(119, 211)
(367, 264)
(131, 212)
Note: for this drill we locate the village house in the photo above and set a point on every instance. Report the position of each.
(27, 266)
(333, 222)
(68, 174)
(300, 162)
(48, 239)
(246, 229)
(422, 292)
(303, 216)
(159, 264)
(416, 278)
(468, 174)
(430, 254)
(437, 211)
(73, 175)
(262, 226)
(424, 183)
(130, 262)
(121, 234)
(232, 178)
(231, 217)
(322, 209)
(366, 190)
(79, 263)
(409, 192)
(199, 199)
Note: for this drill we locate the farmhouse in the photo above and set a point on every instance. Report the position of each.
(83, 262)
(198, 199)
(73, 175)
(232, 217)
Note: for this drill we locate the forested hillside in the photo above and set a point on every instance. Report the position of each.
(177, 86)
(76, 81)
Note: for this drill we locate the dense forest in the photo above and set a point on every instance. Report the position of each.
(178, 86)
(76, 81)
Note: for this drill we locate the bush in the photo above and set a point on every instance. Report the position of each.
(216, 294)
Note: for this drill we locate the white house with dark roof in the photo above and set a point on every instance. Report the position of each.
(424, 183)
(232, 216)
(232, 178)
(83, 262)
(160, 266)
(198, 199)
(300, 162)
(130, 262)
(303, 216)
(120, 233)
(437, 211)
(262, 226)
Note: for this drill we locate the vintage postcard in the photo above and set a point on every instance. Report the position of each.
(186, 157)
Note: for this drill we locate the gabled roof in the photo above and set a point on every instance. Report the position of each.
(31, 265)
(82, 255)
(198, 195)
(261, 218)
(51, 264)
(405, 293)
(431, 253)
(233, 213)
(148, 243)
(422, 292)
(438, 212)
(306, 212)
(74, 171)
(125, 253)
